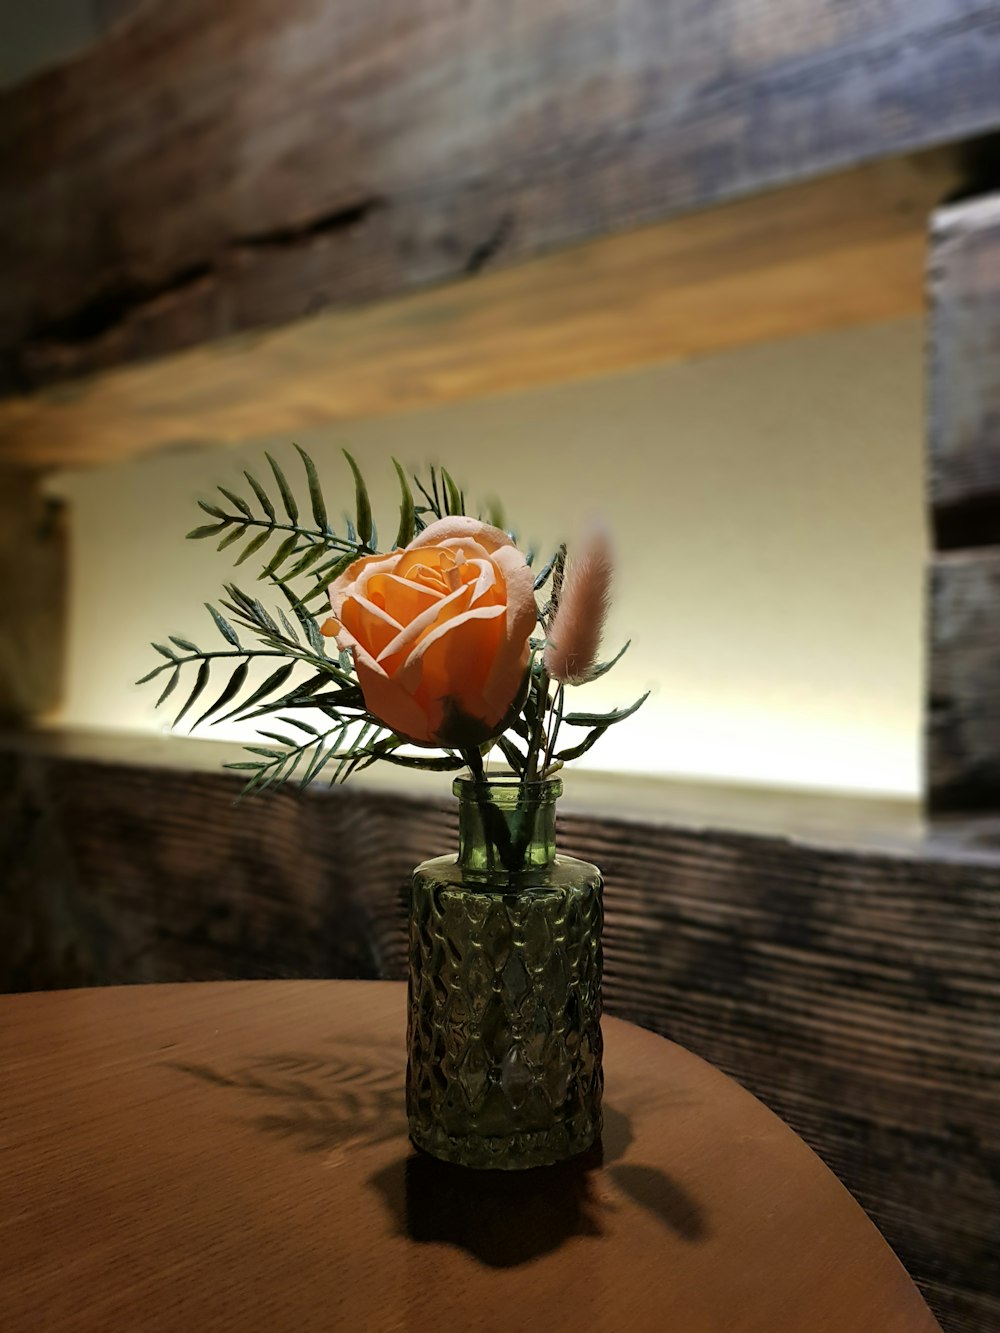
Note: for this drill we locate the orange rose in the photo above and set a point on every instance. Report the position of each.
(439, 631)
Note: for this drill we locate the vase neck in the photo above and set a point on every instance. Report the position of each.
(505, 826)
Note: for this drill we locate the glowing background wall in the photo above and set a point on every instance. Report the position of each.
(769, 515)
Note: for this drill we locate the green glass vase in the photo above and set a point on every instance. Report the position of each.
(504, 1018)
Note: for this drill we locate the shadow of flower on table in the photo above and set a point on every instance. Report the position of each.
(326, 1104)
(320, 1103)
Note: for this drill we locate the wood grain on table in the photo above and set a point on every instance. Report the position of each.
(234, 1155)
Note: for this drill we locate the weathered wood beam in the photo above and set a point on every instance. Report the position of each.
(963, 721)
(844, 250)
(205, 171)
(850, 978)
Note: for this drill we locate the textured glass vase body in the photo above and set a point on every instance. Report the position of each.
(504, 1029)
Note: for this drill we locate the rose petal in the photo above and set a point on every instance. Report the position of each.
(458, 527)
(368, 623)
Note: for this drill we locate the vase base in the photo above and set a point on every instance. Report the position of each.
(508, 1152)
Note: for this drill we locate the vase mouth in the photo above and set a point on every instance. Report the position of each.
(465, 786)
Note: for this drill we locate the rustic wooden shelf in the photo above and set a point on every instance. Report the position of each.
(841, 251)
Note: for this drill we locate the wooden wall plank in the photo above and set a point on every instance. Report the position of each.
(845, 250)
(202, 172)
(852, 984)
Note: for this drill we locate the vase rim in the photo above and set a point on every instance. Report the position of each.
(466, 784)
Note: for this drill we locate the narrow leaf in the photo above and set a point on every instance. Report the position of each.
(454, 502)
(199, 685)
(207, 530)
(273, 682)
(165, 652)
(237, 500)
(602, 668)
(228, 694)
(575, 751)
(314, 553)
(262, 496)
(362, 504)
(307, 727)
(287, 498)
(175, 676)
(214, 510)
(234, 536)
(223, 626)
(512, 754)
(254, 545)
(186, 644)
(280, 555)
(407, 515)
(542, 578)
(604, 719)
(164, 666)
(315, 491)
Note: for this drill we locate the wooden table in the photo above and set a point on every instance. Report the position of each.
(234, 1156)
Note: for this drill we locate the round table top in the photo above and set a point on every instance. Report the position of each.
(234, 1155)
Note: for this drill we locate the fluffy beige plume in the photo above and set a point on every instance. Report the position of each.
(575, 633)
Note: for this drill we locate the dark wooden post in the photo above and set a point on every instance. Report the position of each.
(963, 717)
(33, 602)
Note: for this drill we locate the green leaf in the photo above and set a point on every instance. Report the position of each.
(228, 694)
(186, 644)
(288, 627)
(454, 501)
(234, 536)
(175, 676)
(512, 754)
(542, 578)
(164, 666)
(316, 641)
(307, 727)
(262, 496)
(199, 685)
(575, 751)
(280, 555)
(254, 545)
(214, 510)
(165, 652)
(407, 515)
(604, 719)
(324, 753)
(276, 736)
(315, 491)
(311, 556)
(602, 668)
(362, 504)
(236, 500)
(244, 766)
(495, 514)
(434, 764)
(273, 682)
(287, 498)
(223, 626)
(207, 530)
(333, 570)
